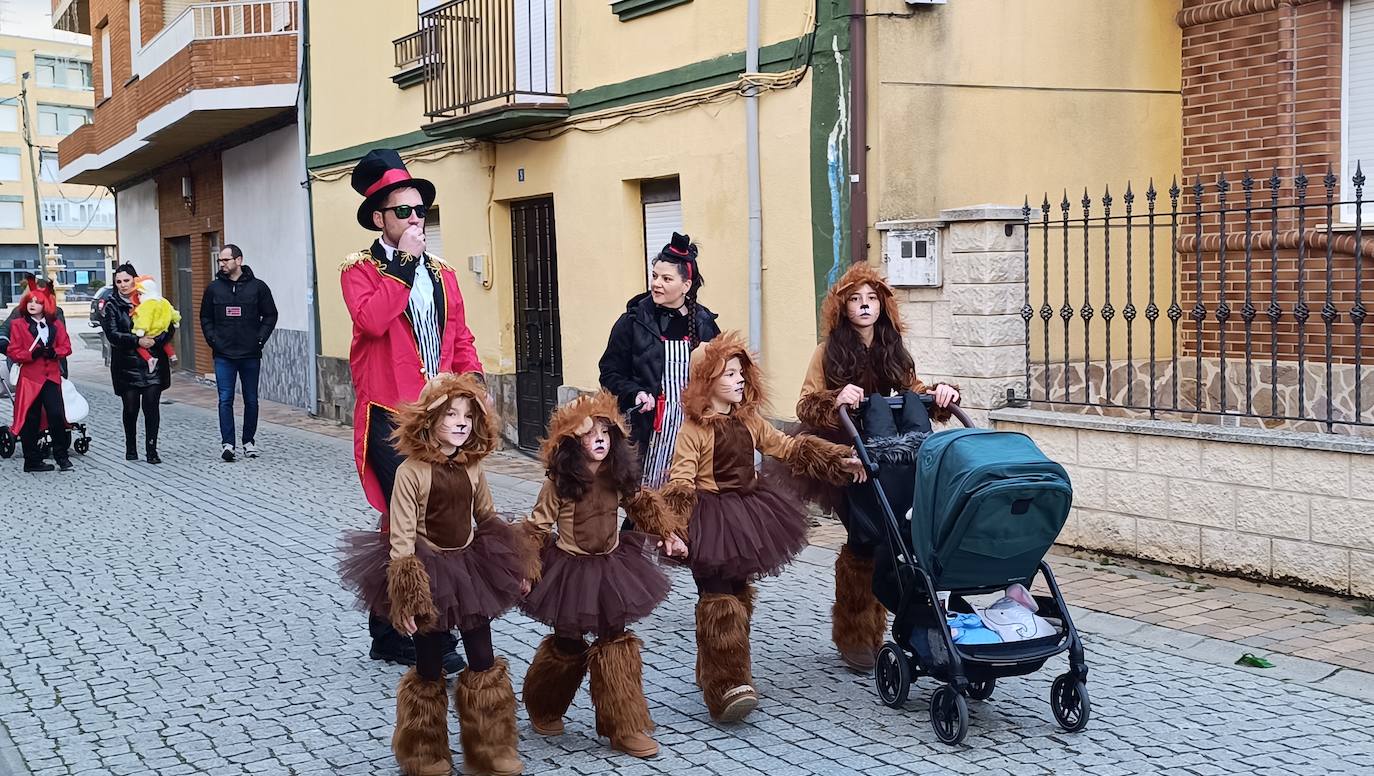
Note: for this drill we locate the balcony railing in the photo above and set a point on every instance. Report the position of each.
(482, 55)
(217, 21)
(411, 49)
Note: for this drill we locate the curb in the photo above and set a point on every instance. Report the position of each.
(11, 762)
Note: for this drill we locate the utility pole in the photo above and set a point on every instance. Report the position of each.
(33, 173)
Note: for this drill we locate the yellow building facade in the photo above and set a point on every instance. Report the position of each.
(613, 111)
(78, 220)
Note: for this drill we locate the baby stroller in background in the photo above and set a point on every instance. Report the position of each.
(75, 404)
(985, 508)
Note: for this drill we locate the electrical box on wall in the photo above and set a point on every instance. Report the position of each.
(913, 258)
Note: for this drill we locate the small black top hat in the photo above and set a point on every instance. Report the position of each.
(377, 175)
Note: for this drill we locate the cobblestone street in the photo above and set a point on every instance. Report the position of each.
(186, 619)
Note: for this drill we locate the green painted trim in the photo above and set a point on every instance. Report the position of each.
(353, 153)
(830, 167)
(409, 77)
(772, 58)
(633, 9)
(495, 122)
(11, 198)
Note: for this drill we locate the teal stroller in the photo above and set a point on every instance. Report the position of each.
(985, 510)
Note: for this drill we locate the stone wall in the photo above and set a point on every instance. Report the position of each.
(969, 330)
(1272, 505)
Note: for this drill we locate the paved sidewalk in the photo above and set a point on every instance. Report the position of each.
(186, 619)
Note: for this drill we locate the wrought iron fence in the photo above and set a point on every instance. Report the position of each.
(1247, 302)
(484, 54)
(412, 48)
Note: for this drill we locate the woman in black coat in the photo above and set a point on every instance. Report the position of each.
(646, 359)
(135, 385)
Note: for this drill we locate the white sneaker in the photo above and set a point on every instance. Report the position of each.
(250, 449)
(228, 454)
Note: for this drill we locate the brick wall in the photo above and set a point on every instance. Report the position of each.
(1262, 92)
(205, 64)
(174, 220)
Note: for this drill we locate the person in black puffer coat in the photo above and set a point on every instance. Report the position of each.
(646, 359)
(137, 387)
(237, 315)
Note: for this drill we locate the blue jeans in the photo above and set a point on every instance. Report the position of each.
(246, 370)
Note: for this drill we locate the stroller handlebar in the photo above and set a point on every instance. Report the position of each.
(896, 402)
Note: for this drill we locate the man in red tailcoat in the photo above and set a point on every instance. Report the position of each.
(408, 326)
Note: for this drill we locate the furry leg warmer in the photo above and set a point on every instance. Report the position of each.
(551, 684)
(723, 669)
(859, 622)
(486, 721)
(622, 715)
(420, 741)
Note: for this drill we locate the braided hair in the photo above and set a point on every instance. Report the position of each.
(681, 252)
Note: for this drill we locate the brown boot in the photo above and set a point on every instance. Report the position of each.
(622, 715)
(486, 721)
(420, 741)
(723, 657)
(858, 620)
(550, 685)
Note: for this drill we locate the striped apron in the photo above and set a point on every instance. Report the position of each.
(677, 356)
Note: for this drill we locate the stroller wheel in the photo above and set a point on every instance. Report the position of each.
(949, 715)
(1069, 702)
(892, 675)
(82, 445)
(6, 442)
(981, 691)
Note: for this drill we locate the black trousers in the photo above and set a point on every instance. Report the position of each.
(430, 649)
(146, 399)
(49, 400)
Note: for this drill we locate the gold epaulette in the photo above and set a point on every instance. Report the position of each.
(358, 258)
(437, 264)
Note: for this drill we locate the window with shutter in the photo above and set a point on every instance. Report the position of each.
(662, 203)
(1358, 102)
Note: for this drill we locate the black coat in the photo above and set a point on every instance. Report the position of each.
(237, 316)
(633, 360)
(128, 371)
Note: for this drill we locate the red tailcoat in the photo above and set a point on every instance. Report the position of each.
(34, 372)
(384, 358)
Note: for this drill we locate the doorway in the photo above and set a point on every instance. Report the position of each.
(538, 338)
(179, 293)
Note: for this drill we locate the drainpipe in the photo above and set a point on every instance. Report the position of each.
(751, 137)
(303, 143)
(858, 132)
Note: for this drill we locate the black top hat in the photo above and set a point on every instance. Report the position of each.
(377, 175)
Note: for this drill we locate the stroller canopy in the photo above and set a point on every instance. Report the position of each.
(988, 506)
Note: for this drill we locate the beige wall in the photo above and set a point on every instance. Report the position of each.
(998, 99)
(661, 41)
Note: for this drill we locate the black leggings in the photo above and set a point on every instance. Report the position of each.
(430, 649)
(148, 398)
(716, 585)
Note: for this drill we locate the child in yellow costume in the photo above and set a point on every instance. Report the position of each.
(153, 316)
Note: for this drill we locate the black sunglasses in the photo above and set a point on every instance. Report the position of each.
(404, 211)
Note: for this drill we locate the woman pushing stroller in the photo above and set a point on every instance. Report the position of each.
(38, 342)
(861, 354)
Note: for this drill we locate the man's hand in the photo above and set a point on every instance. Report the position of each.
(412, 241)
(644, 402)
(849, 396)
